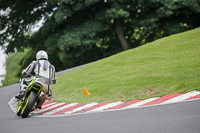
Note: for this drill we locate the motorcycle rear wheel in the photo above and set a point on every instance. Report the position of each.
(29, 104)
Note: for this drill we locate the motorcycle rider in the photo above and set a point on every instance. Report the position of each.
(41, 68)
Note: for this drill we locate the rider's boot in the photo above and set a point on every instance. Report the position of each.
(20, 95)
(41, 102)
(42, 99)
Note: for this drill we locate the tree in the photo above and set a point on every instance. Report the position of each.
(17, 17)
(80, 31)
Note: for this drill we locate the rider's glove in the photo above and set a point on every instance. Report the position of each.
(23, 72)
(54, 81)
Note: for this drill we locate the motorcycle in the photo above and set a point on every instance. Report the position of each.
(32, 98)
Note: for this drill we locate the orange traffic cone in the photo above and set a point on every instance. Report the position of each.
(87, 93)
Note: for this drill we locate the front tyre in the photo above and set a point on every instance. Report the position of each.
(29, 104)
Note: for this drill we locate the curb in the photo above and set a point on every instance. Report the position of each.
(53, 109)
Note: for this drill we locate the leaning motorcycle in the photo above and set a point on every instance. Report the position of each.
(32, 98)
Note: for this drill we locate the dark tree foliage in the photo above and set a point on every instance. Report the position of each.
(80, 31)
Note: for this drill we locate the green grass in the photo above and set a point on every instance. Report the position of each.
(168, 65)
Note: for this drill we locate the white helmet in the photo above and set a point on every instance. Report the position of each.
(41, 55)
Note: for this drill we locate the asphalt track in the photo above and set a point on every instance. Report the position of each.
(183, 117)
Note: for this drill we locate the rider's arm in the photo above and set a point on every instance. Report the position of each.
(29, 68)
(54, 76)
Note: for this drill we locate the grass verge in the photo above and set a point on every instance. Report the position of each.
(168, 65)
